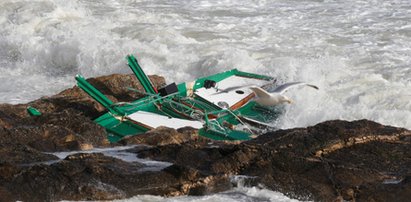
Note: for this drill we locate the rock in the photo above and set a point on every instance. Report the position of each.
(334, 160)
(164, 136)
(331, 161)
(22, 154)
(71, 179)
(114, 86)
(65, 123)
(119, 85)
(98, 177)
(11, 114)
(66, 130)
(77, 130)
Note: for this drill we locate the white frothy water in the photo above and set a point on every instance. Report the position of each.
(356, 51)
(122, 154)
(240, 193)
(254, 194)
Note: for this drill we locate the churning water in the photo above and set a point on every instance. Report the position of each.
(357, 51)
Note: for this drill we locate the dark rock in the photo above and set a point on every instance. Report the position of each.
(98, 177)
(75, 132)
(10, 115)
(121, 85)
(65, 122)
(164, 136)
(8, 171)
(114, 86)
(334, 160)
(331, 161)
(62, 131)
(75, 178)
(23, 154)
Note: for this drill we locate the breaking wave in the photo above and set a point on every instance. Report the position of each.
(356, 51)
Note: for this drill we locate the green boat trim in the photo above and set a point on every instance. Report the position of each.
(194, 101)
(141, 76)
(33, 111)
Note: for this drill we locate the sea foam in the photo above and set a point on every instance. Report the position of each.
(357, 52)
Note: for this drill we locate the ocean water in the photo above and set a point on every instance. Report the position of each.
(357, 51)
(119, 152)
(241, 193)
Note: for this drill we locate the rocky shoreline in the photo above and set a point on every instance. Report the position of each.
(331, 161)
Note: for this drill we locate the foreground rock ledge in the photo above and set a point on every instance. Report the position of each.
(335, 160)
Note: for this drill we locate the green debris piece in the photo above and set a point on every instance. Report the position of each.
(141, 76)
(33, 111)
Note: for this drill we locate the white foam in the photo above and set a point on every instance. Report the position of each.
(357, 52)
(120, 153)
(239, 193)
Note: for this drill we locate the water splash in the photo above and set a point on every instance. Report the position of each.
(357, 51)
(239, 193)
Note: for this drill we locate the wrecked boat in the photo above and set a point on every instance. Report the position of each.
(220, 106)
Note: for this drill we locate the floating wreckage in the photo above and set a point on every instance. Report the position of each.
(220, 106)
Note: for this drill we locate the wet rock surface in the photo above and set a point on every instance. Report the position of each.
(331, 161)
(66, 120)
(334, 160)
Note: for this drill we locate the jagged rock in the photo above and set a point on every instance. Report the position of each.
(331, 161)
(334, 160)
(98, 177)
